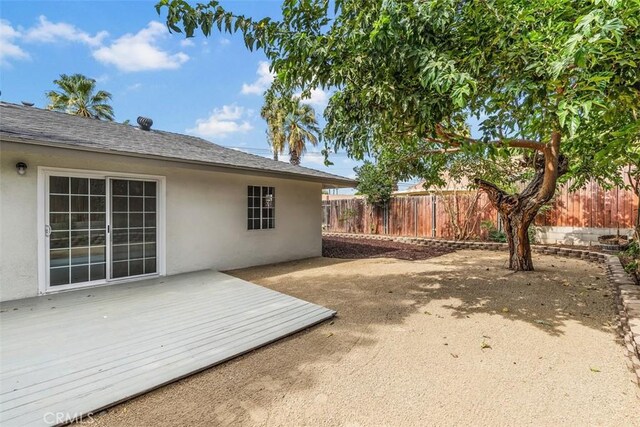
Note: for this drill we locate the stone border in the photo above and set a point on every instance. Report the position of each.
(627, 294)
(626, 291)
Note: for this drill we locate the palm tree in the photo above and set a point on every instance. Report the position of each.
(302, 128)
(290, 124)
(273, 112)
(77, 96)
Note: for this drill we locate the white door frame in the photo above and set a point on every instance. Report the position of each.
(42, 219)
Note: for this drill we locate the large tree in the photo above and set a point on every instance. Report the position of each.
(550, 81)
(77, 95)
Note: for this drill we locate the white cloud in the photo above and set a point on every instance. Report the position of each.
(223, 122)
(131, 52)
(187, 43)
(225, 41)
(317, 98)
(139, 52)
(49, 32)
(262, 83)
(9, 50)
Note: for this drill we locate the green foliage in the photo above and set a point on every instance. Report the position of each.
(632, 267)
(375, 183)
(273, 112)
(290, 123)
(496, 235)
(410, 75)
(462, 168)
(532, 235)
(493, 233)
(631, 258)
(78, 96)
(633, 250)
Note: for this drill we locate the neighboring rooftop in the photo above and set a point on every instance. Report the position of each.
(30, 125)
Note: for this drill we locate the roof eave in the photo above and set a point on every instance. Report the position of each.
(326, 182)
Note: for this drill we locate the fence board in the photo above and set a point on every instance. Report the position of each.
(591, 206)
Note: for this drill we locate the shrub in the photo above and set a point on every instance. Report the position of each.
(631, 258)
(493, 233)
(496, 235)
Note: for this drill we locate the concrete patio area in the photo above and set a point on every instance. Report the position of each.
(71, 354)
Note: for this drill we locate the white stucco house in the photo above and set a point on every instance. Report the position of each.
(85, 202)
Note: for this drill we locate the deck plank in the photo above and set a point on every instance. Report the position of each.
(104, 345)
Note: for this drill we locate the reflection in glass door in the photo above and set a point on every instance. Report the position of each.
(76, 229)
(133, 225)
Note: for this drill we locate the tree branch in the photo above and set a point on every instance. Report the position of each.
(457, 141)
(500, 198)
(454, 140)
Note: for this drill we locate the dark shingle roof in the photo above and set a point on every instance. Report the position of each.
(43, 127)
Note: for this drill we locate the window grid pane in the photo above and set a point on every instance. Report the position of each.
(260, 207)
(134, 220)
(76, 216)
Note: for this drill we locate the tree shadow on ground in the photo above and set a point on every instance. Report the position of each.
(368, 295)
(546, 298)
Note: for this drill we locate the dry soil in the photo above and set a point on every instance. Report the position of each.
(452, 340)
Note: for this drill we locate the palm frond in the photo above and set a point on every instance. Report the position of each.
(77, 96)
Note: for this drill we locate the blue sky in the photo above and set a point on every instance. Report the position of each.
(209, 87)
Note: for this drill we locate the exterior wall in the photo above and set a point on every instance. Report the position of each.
(581, 236)
(206, 215)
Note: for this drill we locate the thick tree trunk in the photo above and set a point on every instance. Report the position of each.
(517, 230)
(636, 226)
(517, 213)
(519, 210)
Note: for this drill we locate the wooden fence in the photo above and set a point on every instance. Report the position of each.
(431, 215)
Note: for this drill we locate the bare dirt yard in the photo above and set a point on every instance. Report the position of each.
(450, 340)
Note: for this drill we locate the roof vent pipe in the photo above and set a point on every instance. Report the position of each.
(27, 104)
(145, 123)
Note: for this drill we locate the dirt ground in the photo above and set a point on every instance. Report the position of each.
(345, 248)
(452, 340)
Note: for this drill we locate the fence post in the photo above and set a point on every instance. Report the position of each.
(386, 218)
(415, 217)
(433, 215)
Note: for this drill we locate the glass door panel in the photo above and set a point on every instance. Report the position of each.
(77, 215)
(133, 222)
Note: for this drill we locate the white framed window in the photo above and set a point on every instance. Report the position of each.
(261, 207)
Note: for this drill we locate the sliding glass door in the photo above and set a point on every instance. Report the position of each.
(133, 220)
(99, 228)
(77, 232)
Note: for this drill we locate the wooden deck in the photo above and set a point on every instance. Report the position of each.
(74, 353)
